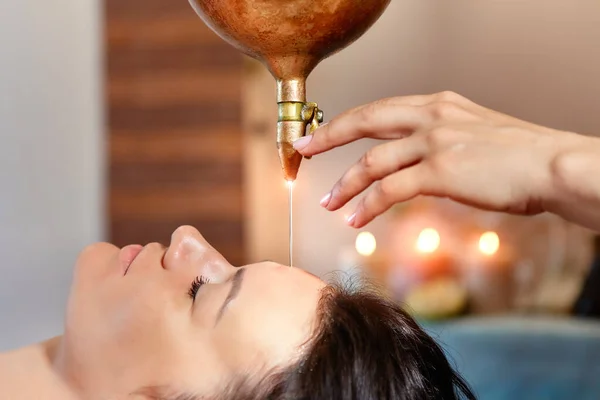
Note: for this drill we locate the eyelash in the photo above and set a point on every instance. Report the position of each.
(196, 284)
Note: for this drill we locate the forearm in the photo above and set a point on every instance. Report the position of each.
(575, 193)
(28, 373)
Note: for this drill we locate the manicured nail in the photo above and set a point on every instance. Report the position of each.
(351, 219)
(302, 142)
(325, 200)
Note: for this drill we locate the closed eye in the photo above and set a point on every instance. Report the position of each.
(196, 285)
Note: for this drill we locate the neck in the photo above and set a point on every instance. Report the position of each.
(28, 373)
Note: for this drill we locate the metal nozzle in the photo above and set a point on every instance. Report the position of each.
(288, 132)
(294, 117)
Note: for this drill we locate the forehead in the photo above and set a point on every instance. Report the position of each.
(280, 278)
(274, 313)
(277, 291)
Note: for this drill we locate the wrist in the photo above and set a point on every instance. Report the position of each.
(571, 163)
(573, 177)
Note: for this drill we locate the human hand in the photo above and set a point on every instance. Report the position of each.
(442, 145)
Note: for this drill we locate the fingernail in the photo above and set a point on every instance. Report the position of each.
(302, 142)
(325, 200)
(351, 219)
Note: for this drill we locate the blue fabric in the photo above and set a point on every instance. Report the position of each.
(531, 359)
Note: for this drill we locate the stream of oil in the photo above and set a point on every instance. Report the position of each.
(291, 221)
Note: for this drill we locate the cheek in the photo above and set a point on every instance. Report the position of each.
(136, 313)
(126, 315)
(125, 334)
(235, 345)
(201, 367)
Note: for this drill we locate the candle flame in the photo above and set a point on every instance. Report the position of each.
(489, 243)
(428, 241)
(365, 244)
(290, 184)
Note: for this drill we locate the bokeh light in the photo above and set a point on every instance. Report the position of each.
(428, 240)
(366, 244)
(489, 243)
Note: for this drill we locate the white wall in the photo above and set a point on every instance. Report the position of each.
(538, 60)
(50, 158)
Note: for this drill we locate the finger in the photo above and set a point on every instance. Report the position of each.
(396, 188)
(415, 100)
(391, 118)
(422, 100)
(377, 121)
(376, 164)
(150, 258)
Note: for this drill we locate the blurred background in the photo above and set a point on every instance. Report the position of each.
(122, 120)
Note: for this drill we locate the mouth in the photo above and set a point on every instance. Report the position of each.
(127, 255)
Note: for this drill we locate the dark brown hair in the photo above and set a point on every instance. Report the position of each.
(366, 347)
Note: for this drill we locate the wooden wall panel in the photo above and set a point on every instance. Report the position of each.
(173, 90)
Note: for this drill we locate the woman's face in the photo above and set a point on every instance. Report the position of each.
(132, 322)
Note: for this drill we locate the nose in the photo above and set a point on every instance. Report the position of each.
(190, 255)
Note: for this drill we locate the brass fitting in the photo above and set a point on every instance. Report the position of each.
(294, 119)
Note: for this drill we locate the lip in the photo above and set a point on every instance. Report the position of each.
(127, 255)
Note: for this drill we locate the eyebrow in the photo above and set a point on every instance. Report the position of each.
(236, 284)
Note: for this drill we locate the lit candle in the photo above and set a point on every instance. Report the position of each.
(488, 276)
(431, 261)
(365, 244)
(361, 257)
(424, 262)
(428, 241)
(418, 252)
